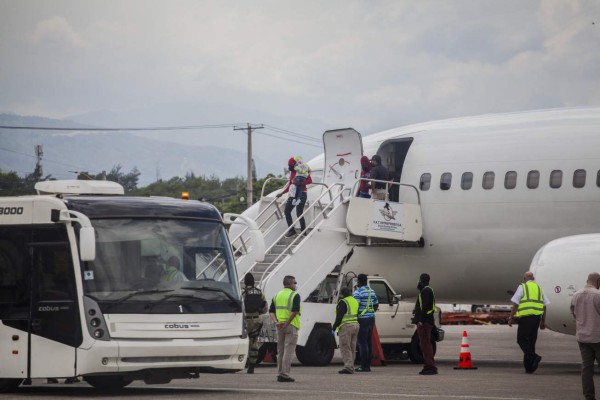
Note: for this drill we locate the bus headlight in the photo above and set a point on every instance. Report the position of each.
(94, 319)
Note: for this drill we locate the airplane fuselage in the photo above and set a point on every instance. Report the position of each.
(499, 188)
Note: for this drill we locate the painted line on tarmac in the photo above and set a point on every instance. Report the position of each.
(362, 394)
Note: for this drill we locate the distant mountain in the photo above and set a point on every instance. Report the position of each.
(67, 151)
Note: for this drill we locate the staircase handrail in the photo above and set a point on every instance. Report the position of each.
(278, 213)
(387, 187)
(340, 193)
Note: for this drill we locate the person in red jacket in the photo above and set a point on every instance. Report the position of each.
(289, 206)
(365, 173)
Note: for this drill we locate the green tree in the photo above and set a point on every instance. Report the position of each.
(11, 184)
(128, 181)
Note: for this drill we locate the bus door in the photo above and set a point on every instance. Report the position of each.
(55, 328)
(15, 301)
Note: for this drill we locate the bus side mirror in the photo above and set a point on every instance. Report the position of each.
(87, 244)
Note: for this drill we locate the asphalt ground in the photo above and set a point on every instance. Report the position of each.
(500, 376)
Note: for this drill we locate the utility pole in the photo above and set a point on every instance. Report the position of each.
(249, 128)
(39, 152)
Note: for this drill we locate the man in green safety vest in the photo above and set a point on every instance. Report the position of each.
(285, 313)
(346, 326)
(529, 306)
(425, 321)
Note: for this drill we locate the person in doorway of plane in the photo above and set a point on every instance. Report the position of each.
(365, 173)
(378, 173)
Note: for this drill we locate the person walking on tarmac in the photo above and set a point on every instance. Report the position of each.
(367, 305)
(285, 313)
(255, 304)
(346, 326)
(424, 310)
(529, 306)
(291, 203)
(585, 307)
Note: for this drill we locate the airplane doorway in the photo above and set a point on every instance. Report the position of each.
(393, 153)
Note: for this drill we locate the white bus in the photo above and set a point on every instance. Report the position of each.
(115, 289)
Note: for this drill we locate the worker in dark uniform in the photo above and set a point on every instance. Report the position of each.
(425, 322)
(255, 304)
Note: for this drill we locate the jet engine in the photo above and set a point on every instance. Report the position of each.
(561, 267)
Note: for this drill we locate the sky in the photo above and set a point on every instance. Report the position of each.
(303, 66)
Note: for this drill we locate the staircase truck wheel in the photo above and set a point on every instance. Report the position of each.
(9, 385)
(415, 354)
(319, 348)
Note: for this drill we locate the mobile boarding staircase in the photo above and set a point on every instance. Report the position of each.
(336, 223)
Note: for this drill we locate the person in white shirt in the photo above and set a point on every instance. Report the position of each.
(585, 307)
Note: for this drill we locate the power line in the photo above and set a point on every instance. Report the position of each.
(290, 133)
(159, 128)
(290, 140)
(156, 128)
(294, 135)
(45, 159)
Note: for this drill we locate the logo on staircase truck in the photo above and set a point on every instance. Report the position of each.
(386, 217)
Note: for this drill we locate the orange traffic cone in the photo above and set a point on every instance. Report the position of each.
(377, 359)
(464, 360)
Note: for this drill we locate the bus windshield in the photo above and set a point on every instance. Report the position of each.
(161, 266)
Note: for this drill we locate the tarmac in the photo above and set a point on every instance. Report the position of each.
(495, 353)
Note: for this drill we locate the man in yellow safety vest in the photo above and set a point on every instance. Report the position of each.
(285, 313)
(529, 306)
(346, 326)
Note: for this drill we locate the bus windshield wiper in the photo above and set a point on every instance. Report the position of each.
(213, 289)
(130, 295)
(174, 296)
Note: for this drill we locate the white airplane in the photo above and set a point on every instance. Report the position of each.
(493, 190)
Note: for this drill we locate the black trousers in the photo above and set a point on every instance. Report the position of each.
(299, 210)
(526, 338)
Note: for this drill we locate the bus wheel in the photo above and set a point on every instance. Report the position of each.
(319, 348)
(108, 382)
(9, 385)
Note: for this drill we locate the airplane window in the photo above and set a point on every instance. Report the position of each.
(467, 180)
(510, 180)
(579, 178)
(488, 180)
(598, 179)
(446, 181)
(556, 179)
(533, 179)
(425, 181)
